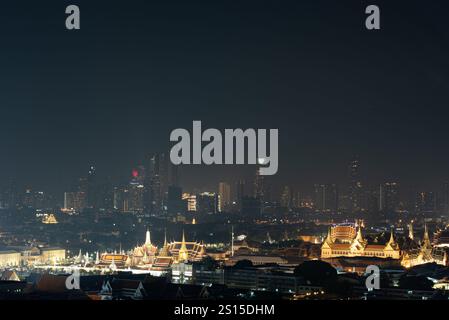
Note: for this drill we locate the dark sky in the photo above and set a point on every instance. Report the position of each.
(111, 93)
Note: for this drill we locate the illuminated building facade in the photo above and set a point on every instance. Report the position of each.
(186, 251)
(425, 252)
(74, 201)
(191, 201)
(32, 256)
(347, 241)
(147, 256)
(9, 258)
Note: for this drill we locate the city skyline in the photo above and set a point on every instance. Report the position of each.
(352, 195)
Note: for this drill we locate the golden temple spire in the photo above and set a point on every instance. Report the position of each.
(426, 233)
(328, 237)
(164, 252)
(426, 240)
(410, 231)
(183, 243)
(183, 253)
(359, 236)
(148, 237)
(391, 237)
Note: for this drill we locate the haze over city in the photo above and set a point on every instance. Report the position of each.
(94, 207)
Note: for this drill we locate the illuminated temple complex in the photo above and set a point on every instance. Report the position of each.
(149, 257)
(346, 240)
(421, 252)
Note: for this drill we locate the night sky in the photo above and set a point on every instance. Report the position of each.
(112, 92)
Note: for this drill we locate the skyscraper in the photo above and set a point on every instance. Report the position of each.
(74, 201)
(207, 203)
(224, 194)
(161, 175)
(355, 185)
(286, 198)
(92, 187)
(326, 197)
(239, 194)
(136, 196)
(259, 189)
(153, 186)
(175, 204)
(445, 198)
(389, 197)
(425, 201)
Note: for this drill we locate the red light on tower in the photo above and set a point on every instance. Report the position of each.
(135, 173)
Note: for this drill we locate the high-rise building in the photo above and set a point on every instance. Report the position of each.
(175, 203)
(372, 201)
(118, 198)
(239, 194)
(296, 199)
(135, 200)
(161, 175)
(259, 189)
(75, 201)
(8, 197)
(207, 202)
(355, 185)
(425, 202)
(326, 197)
(154, 188)
(27, 198)
(190, 200)
(92, 188)
(286, 198)
(224, 194)
(389, 197)
(445, 198)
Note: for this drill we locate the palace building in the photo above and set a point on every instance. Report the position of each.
(149, 257)
(423, 252)
(10, 258)
(31, 256)
(346, 240)
(186, 251)
(114, 261)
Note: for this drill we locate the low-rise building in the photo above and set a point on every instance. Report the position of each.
(9, 258)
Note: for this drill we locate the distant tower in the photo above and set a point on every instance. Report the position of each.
(240, 193)
(259, 189)
(446, 198)
(224, 192)
(355, 185)
(92, 187)
(286, 198)
(232, 241)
